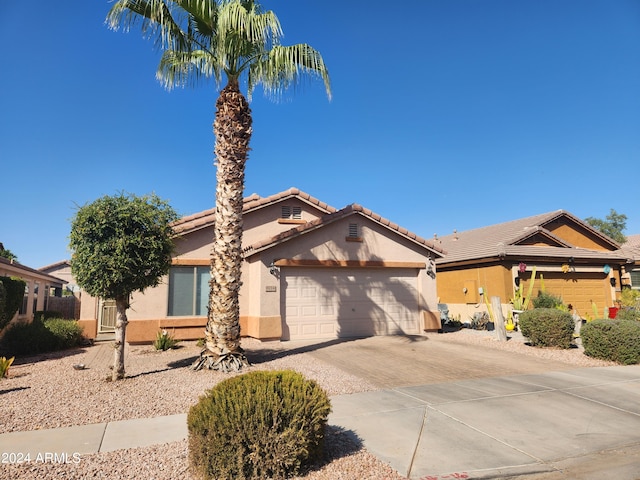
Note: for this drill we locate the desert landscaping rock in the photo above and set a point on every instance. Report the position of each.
(47, 392)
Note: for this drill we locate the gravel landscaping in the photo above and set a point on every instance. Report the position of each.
(47, 392)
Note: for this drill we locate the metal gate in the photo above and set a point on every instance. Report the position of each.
(107, 316)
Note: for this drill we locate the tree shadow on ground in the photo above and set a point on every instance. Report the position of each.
(43, 357)
(338, 443)
(268, 353)
(16, 389)
(184, 362)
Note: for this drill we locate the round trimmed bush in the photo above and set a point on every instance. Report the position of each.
(628, 313)
(615, 340)
(547, 327)
(258, 425)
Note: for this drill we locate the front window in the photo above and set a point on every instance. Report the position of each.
(188, 291)
(635, 279)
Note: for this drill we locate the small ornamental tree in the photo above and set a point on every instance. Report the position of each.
(12, 297)
(121, 244)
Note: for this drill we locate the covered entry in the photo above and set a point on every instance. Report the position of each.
(348, 302)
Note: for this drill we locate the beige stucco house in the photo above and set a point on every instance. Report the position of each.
(576, 262)
(38, 289)
(309, 271)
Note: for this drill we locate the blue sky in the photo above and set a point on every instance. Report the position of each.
(447, 114)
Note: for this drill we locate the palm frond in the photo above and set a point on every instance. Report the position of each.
(157, 21)
(178, 69)
(286, 66)
(212, 38)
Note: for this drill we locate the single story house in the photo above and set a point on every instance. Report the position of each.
(309, 271)
(37, 291)
(572, 260)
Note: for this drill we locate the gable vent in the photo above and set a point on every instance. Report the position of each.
(286, 212)
(353, 230)
(297, 213)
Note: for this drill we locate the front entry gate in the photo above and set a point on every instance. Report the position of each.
(107, 316)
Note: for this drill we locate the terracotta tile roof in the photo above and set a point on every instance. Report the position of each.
(61, 263)
(253, 202)
(18, 266)
(631, 248)
(352, 209)
(504, 239)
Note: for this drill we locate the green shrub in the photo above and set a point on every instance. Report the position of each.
(628, 313)
(164, 341)
(14, 289)
(3, 304)
(23, 339)
(44, 315)
(258, 425)
(547, 327)
(68, 333)
(546, 300)
(615, 340)
(5, 363)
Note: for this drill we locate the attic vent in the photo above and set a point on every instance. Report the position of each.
(286, 211)
(353, 230)
(297, 213)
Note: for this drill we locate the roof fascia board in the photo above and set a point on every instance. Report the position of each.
(328, 220)
(582, 224)
(540, 231)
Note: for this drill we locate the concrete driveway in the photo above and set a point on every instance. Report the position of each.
(447, 410)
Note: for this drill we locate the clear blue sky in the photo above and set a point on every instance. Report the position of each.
(447, 114)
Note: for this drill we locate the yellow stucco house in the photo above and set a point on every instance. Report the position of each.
(572, 260)
(309, 271)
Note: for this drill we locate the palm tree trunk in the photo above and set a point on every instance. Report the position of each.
(232, 129)
(120, 331)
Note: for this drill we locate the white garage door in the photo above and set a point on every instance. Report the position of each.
(334, 302)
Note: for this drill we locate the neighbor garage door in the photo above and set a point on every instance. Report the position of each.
(577, 289)
(334, 302)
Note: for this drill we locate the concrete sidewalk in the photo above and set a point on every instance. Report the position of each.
(582, 423)
(576, 424)
(98, 437)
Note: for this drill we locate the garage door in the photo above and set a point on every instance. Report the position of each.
(330, 303)
(578, 289)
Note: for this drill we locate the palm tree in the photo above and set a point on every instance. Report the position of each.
(236, 40)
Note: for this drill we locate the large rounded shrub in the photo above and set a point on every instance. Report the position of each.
(615, 340)
(628, 313)
(31, 338)
(547, 327)
(258, 425)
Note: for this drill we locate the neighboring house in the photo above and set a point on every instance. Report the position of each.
(62, 270)
(572, 260)
(68, 305)
(37, 291)
(631, 248)
(309, 271)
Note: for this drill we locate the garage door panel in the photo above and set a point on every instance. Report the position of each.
(325, 303)
(578, 289)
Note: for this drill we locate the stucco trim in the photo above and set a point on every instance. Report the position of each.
(197, 262)
(348, 263)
